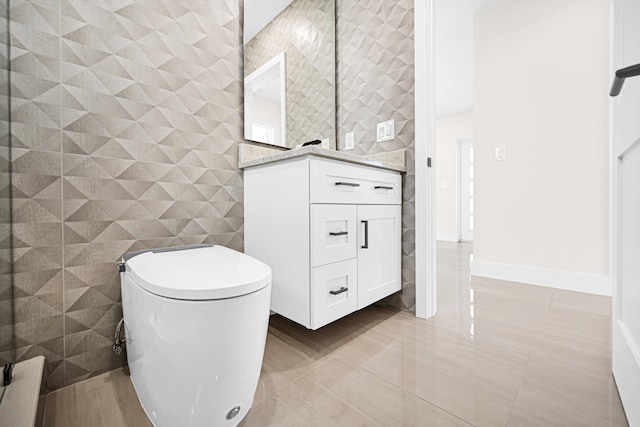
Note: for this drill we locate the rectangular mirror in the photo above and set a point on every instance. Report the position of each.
(298, 36)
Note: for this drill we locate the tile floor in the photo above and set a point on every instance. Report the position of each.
(497, 354)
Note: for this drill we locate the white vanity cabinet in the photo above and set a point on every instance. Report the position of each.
(331, 232)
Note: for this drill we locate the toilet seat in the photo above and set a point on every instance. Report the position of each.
(197, 273)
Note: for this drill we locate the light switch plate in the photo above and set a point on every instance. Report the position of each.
(501, 153)
(349, 141)
(385, 130)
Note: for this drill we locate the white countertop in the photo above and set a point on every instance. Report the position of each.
(321, 152)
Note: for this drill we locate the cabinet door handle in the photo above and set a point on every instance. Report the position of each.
(338, 233)
(339, 291)
(382, 187)
(348, 184)
(366, 234)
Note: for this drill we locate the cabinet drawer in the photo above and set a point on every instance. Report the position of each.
(333, 233)
(334, 292)
(338, 182)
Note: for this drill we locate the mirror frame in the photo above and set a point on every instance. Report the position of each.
(276, 67)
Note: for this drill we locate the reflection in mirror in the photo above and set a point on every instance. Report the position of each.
(305, 31)
(265, 103)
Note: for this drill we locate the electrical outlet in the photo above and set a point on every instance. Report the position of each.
(385, 130)
(501, 153)
(349, 141)
(325, 143)
(445, 184)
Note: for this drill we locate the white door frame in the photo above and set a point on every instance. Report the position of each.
(425, 179)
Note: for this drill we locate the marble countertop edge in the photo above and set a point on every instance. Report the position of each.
(321, 152)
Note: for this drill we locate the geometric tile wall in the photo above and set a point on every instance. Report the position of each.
(6, 288)
(375, 81)
(126, 120)
(305, 30)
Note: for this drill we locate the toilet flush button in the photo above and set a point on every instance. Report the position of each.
(232, 413)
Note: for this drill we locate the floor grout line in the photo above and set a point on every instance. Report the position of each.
(416, 396)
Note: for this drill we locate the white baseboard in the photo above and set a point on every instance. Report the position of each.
(445, 237)
(568, 280)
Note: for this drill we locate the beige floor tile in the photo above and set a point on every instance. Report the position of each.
(106, 400)
(584, 303)
(476, 382)
(450, 254)
(513, 290)
(566, 400)
(497, 353)
(320, 343)
(555, 392)
(304, 402)
(381, 400)
(282, 364)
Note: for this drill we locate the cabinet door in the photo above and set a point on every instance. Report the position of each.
(379, 253)
(334, 292)
(333, 233)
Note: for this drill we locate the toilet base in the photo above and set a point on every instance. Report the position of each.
(193, 362)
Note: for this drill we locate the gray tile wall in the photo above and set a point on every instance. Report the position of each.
(126, 118)
(6, 289)
(375, 81)
(305, 30)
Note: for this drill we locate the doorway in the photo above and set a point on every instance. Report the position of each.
(552, 205)
(465, 203)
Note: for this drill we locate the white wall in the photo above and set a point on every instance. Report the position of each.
(448, 130)
(541, 84)
(454, 56)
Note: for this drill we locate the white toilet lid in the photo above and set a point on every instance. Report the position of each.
(202, 273)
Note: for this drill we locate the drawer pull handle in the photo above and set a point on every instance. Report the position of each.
(348, 184)
(338, 233)
(366, 234)
(382, 187)
(339, 291)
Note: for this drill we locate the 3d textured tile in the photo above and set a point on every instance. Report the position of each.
(53, 351)
(375, 72)
(305, 30)
(375, 81)
(128, 124)
(36, 182)
(37, 251)
(35, 85)
(6, 279)
(85, 355)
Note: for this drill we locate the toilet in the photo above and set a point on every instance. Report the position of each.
(196, 322)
